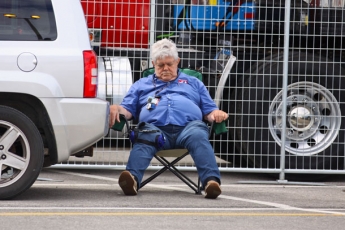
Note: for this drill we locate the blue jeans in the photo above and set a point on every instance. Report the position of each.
(194, 137)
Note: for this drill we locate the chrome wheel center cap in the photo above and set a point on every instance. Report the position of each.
(300, 118)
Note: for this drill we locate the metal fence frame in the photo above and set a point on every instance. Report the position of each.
(281, 170)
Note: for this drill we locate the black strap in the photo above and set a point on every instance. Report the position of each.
(138, 130)
(146, 142)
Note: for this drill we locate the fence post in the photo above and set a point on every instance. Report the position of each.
(152, 26)
(285, 80)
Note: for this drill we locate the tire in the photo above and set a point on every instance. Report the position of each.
(21, 152)
(315, 89)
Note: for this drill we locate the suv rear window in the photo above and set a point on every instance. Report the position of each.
(27, 20)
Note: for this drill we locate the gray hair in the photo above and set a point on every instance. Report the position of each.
(163, 48)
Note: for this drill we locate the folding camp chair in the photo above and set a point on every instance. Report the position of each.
(178, 154)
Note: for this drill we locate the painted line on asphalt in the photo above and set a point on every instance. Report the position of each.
(272, 204)
(161, 214)
(151, 209)
(39, 185)
(45, 183)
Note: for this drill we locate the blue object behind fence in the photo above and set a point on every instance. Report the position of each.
(226, 16)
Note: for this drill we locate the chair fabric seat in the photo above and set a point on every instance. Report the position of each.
(171, 152)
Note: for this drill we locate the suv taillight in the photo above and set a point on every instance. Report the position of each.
(90, 73)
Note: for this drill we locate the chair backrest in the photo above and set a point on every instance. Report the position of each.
(190, 72)
(224, 77)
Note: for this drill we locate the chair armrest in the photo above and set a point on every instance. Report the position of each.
(219, 128)
(118, 126)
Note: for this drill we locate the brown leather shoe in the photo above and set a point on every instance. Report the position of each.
(128, 184)
(212, 190)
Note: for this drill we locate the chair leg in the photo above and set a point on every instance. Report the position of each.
(156, 174)
(166, 165)
(170, 166)
(186, 180)
(199, 186)
(179, 174)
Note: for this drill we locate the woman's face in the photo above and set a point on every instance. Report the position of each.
(166, 68)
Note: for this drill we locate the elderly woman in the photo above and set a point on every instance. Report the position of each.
(173, 104)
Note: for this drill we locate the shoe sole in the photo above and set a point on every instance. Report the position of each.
(127, 184)
(212, 191)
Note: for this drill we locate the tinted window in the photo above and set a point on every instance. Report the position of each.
(27, 20)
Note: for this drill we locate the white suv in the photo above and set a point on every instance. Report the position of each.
(48, 87)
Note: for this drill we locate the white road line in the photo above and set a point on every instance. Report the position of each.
(85, 175)
(71, 185)
(43, 183)
(272, 204)
(280, 206)
(155, 209)
(139, 208)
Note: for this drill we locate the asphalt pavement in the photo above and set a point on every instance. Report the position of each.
(82, 199)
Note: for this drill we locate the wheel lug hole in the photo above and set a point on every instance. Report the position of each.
(3, 157)
(1, 147)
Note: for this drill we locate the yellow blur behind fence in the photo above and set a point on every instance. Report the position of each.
(285, 94)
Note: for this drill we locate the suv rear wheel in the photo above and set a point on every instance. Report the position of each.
(21, 152)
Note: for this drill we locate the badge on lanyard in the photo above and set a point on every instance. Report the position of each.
(152, 102)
